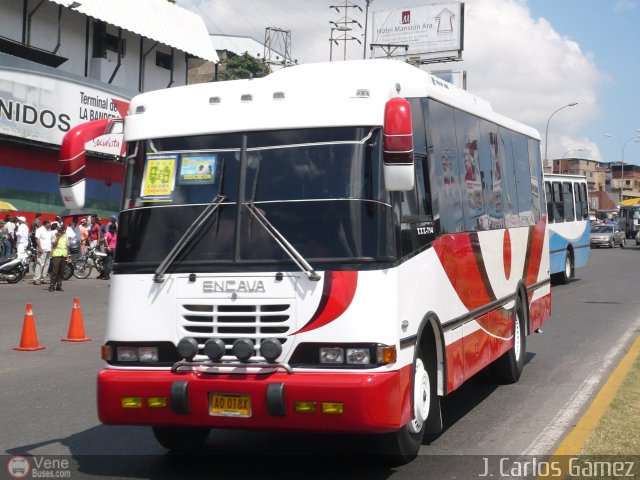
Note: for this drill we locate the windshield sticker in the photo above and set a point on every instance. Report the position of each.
(159, 177)
(197, 169)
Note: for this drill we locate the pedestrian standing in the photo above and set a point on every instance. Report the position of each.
(94, 231)
(2, 234)
(84, 234)
(43, 244)
(58, 258)
(22, 237)
(72, 239)
(35, 225)
(9, 235)
(110, 239)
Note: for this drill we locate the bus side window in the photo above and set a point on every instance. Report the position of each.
(535, 163)
(558, 206)
(567, 197)
(490, 172)
(523, 179)
(445, 171)
(549, 195)
(585, 199)
(467, 133)
(509, 194)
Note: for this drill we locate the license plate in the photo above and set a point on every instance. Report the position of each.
(230, 405)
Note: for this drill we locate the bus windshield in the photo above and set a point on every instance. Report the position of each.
(320, 188)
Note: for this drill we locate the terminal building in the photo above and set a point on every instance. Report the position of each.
(65, 62)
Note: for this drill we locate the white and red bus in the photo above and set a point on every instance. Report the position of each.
(332, 248)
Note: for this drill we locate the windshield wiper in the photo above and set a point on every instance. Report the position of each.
(187, 238)
(297, 258)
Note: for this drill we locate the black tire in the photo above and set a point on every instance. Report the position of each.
(402, 446)
(508, 367)
(612, 244)
(566, 274)
(16, 277)
(67, 271)
(623, 243)
(82, 269)
(181, 439)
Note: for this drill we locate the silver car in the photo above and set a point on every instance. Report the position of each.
(608, 235)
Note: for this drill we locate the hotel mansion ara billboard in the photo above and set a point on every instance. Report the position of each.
(426, 30)
(43, 109)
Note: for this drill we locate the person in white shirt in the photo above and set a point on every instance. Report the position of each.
(73, 239)
(43, 242)
(9, 235)
(22, 237)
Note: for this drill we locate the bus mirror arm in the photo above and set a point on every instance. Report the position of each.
(297, 258)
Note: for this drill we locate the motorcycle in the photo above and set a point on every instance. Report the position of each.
(93, 258)
(12, 268)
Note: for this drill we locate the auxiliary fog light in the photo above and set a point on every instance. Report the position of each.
(148, 354)
(270, 348)
(188, 348)
(156, 402)
(334, 355)
(214, 348)
(131, 402)
(243, 349)
(127, 354)
(358, 356)
(305, 407)
(333, 408)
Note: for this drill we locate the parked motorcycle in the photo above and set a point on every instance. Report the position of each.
(12, 268)
(93, 258)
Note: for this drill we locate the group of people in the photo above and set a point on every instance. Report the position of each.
(55, 243)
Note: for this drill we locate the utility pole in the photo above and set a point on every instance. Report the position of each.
(277, 42)
(344, 27)
(366, 24)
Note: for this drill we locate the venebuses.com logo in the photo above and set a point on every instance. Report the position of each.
(18, 467)
(38, 467)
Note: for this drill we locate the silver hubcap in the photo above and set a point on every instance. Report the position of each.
(421, 397)
(567, 267)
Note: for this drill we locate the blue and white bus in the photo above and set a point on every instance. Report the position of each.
(568, 221)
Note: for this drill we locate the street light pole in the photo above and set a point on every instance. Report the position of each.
(546, 133)
(366, 23)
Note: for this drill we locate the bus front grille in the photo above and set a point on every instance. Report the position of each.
(230, 322)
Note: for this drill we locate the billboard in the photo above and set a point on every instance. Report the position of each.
(43, 108)
(427, 30)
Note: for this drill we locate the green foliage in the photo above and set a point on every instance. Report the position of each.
(242, 67)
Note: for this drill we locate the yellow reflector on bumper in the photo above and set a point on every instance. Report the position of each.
(131, 402)
(333, 408)
(156, 402)
(305, 407)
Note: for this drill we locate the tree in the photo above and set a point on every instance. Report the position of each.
(242, 67)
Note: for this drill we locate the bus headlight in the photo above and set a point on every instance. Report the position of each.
(148, 354)
(127, 354)
(332, 355)
(358, 356)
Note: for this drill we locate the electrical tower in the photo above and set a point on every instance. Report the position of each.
(277, 47)
(343, 27)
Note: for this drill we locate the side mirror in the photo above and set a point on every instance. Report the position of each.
(398, 146)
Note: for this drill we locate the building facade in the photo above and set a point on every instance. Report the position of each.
(66, 62)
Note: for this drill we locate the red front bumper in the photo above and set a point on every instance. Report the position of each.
(373, 402)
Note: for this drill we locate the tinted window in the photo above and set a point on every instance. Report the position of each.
(467, 135)
(535, 164)
(558, 205)
(549, 196)
(490, 174)
(445, 167)
(585, 199)
(509, 194)
(523, 178)
(567, 197)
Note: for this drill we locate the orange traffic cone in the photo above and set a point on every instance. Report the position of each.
(76, 325)
(29, 339)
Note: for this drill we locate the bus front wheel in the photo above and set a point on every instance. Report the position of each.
(402, 446)
(567, 273)
(181, 439)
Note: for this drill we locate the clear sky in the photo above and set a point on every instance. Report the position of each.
(528, 57)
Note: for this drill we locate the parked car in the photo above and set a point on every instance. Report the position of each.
(607, 235)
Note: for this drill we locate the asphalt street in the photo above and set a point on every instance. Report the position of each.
(47, 398)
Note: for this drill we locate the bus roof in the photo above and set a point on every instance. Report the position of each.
(563, 176)
(350, 93)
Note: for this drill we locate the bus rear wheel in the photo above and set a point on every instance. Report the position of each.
(181, 439)
(402, 446)
(508, 367)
